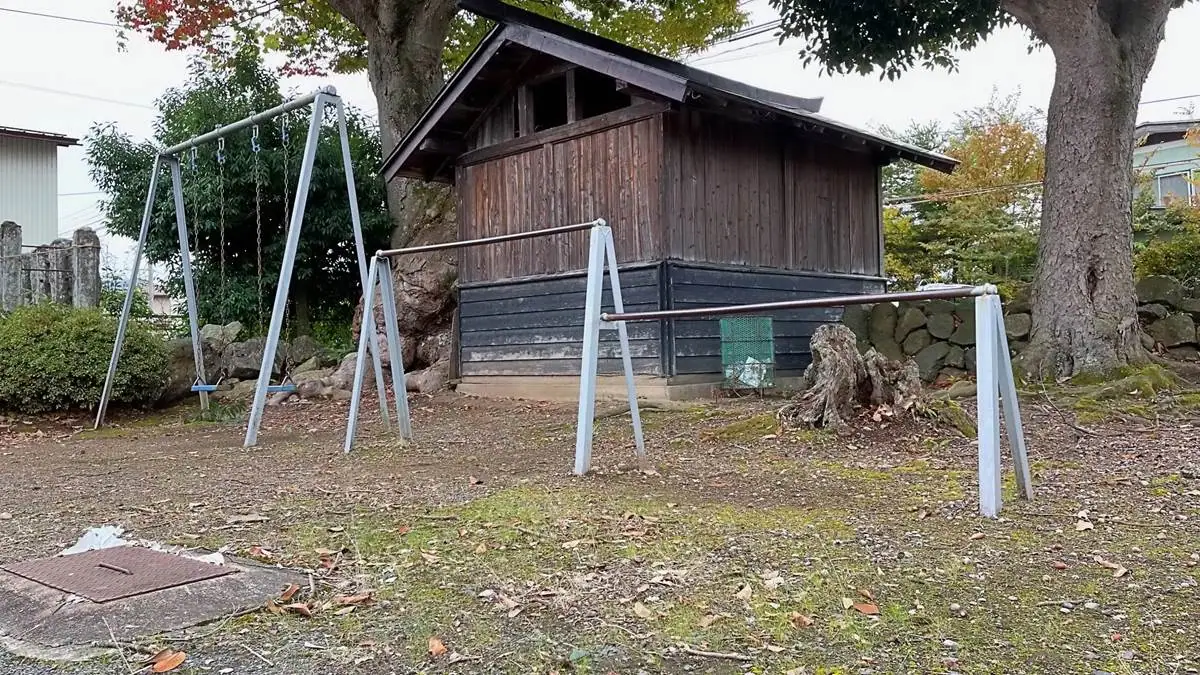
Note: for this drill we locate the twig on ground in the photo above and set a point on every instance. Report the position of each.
(434, 516)
(1052, 603)
(260, 656)
(219, 625)
(688, 649)
(120, 647)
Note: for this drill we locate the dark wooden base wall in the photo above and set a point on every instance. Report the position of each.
(535, 326)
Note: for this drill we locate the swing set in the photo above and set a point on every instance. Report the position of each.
(293, 219)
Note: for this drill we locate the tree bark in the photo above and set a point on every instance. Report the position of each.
(405, 41)
(1084, 304)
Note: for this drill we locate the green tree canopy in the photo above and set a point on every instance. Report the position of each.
(231, 205)
(1084, 308)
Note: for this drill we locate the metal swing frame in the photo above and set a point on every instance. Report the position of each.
(318, 100)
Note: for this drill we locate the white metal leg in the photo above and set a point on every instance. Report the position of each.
(366, 330)
(1011, 405)
(123, 323)
(987, 393)
(395, 348)
(591, 352)
(623, 335)
(189, 283)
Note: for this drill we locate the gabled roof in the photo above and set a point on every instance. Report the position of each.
(519, 32)
(61, 140)
(1163, 132)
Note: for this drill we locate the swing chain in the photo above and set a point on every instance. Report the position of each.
(195, 214)
(221, 215)
(255, 147)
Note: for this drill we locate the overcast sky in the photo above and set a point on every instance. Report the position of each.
(63, 76)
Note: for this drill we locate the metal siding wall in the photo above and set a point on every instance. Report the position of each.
(29, 188)
(535, 327)
(697, 342)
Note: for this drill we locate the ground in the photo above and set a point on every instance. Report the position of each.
(743, 548)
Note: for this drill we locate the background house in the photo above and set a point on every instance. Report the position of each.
(717, 193)
(1167, 159)
(29, 181)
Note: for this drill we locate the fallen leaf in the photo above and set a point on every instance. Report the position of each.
(159, 656)
(361, 598)
(344, 610)
(403, 529)
(745, 592)
(474, 481)
(1120, 572)
(169, 663)
(429, 557)
(774, 649)
(273, 608)
(572, 544)
(481, 549)
(507, 602)
(300, 608)
(337, 528)
(977, 536)
(1059, 565)
(325, 552)
(773, 583)
(866, 593)
(847, 603)
(5, 516)
(800, 620)
(241, 519)
(258, 552)
(867, 608)
(1084, 525)
(642, 611)
(288, 593)
(436, 647)
(922, 514)
(708, 620)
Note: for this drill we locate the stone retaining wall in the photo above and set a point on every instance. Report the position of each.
(939, 335)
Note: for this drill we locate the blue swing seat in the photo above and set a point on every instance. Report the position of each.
(208, 388)
(281, 387)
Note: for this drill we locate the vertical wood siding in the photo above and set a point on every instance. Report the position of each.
(613, 174)
(29, 187)
(535, 327)
(752, 195)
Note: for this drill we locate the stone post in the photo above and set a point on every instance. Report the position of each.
(25, 283)
(60, 274)
(39, 275)
(85, 261)
(10, 265)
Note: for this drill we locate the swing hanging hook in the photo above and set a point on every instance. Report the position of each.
(254, 146)
(283, 132)
(220, 151)
(192, 158)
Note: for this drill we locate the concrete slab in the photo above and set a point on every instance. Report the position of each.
(39, 619)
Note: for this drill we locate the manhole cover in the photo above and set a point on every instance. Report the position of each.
(113, 573)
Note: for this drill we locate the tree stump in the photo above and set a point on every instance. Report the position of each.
(840, 381)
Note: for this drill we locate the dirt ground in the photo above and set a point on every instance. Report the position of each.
(743, 548)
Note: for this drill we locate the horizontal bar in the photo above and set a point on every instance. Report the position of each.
(294, 104)
(837, 301)
(397, 252)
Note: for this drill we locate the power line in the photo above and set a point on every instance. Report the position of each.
(1168, 100)
(908, 200)
(80, 194)
(73, 94)
(59, 17)
(712, 59)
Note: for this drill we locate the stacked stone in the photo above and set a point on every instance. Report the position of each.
(1169, 317)
(939, 335)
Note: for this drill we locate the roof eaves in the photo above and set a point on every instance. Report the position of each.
(449, 93)
(61, 140)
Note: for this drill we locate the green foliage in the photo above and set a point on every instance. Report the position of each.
(246, 192)
(980, 223)
(893, 37)
(54, 357)
(112, 296)
(319, 36)
(1167, 241)
(335, 336)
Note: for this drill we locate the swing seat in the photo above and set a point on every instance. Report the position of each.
(275, 388)
(208, 388)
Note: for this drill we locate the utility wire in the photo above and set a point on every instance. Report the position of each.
(957, 194)
(73, 94)
(59, 17)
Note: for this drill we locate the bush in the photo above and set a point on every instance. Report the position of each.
(54, 357)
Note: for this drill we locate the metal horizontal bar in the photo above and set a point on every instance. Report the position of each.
(836, 301)
(294, 104)
(397, 252)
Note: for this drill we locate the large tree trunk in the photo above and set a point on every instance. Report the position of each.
(405, 41)
(1084, 305)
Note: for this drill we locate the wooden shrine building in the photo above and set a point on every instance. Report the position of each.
(717, 193)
